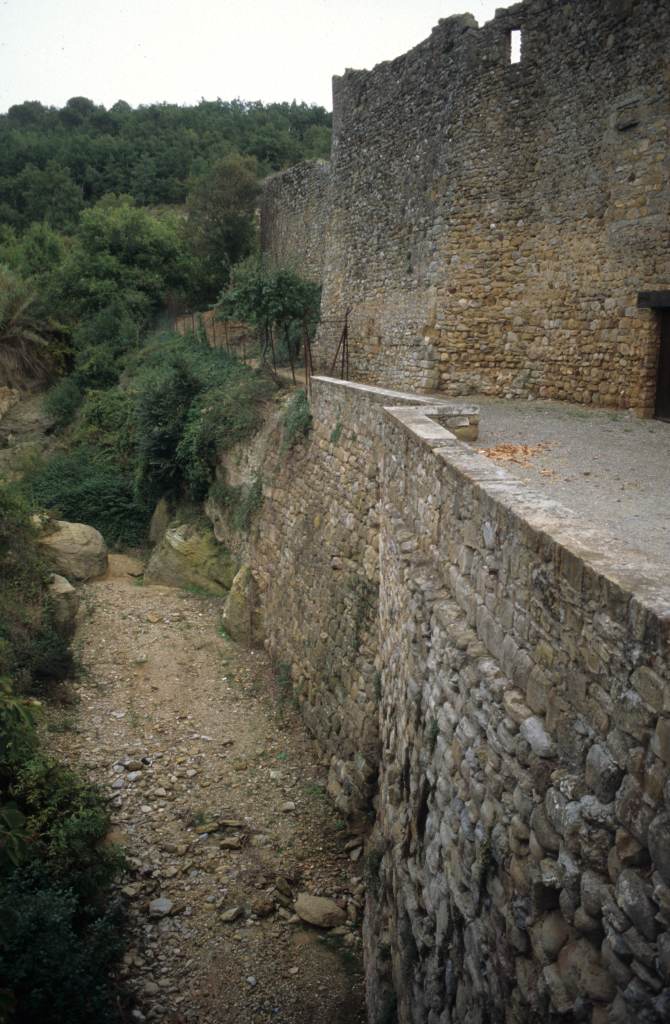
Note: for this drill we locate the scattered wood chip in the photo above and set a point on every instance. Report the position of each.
(521, 454)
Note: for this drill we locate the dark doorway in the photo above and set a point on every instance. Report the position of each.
(663, 375)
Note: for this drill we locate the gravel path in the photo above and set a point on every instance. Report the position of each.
(218, 797)
(609, 467)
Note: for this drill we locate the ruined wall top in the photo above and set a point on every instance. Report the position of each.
(491, 223)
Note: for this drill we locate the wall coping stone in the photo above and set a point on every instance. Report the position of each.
(629, 571)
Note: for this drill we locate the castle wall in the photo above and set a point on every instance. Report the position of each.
(316, 563)
(490, 679)
(295, 210)
(491, 224)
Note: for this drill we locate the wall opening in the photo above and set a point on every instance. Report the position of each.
(514, 46)
(662, 410)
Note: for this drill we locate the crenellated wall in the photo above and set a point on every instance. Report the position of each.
(490, 680)
(491, 224)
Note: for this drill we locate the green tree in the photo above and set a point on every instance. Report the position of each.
(281, 304)
(221, 227)
(122, 253)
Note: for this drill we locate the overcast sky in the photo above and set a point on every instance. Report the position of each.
(181, 50)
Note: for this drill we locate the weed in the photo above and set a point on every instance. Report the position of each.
(336, 433)
(316, 789)
(297, 421)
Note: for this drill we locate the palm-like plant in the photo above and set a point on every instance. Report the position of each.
(24, 339)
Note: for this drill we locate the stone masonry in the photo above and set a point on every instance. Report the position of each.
(490, 681)
(491, 224)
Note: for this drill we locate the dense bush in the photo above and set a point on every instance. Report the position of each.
(87, 485)
(191, 402)
(30, 645)
(60, 931)
(63, 400)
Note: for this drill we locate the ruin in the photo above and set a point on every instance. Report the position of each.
(488, 674)
(492, 224)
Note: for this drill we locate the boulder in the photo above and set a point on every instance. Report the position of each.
(75, 550)
(240, 612)
(65, 601)
(189, 556)
(160, 520)
(320, 911)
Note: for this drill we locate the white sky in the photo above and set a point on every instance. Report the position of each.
(181, 50)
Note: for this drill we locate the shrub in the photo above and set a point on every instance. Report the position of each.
(30, 645)
(106, 422)
(60, 935)
(54, 966)
(63, 400)
(297, 421)
(86, 485)
(191, 402)
(220, 418)
(162, 407)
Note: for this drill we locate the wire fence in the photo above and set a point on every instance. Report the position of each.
(319, 346)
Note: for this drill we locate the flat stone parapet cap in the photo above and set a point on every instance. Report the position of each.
(443, 408)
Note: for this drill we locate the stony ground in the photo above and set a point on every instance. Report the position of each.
(219, 798)
(609, 467)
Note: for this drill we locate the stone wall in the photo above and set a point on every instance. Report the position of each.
(295, 209)
(490, 681)
(522, 847)
(315, 560)
(491, 224)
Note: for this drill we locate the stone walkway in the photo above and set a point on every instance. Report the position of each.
(609, 467)
(218, 797)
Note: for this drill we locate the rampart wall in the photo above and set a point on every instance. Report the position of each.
(295, 211)
(490, 679)
(491, 224)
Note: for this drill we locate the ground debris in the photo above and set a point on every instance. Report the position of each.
(215, 862)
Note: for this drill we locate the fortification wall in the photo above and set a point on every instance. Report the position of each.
(316, 562)
(504, 671)
(295, 210)
(491, 224)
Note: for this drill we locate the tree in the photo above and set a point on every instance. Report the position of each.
(221, 227)
(281, 304)
(121, 252)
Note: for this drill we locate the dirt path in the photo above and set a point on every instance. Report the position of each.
(219, 798)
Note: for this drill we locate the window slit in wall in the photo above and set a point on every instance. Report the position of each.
(515, 46)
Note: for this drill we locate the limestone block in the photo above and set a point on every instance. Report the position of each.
(75, 550)
(65, 601)
(189, 555)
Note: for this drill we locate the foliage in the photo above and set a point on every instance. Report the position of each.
(297, 421)
(106, 422)
(60, 935)
(62, 401)
(30, 645)
(217, 420)
(24, 340)
(54, 965)
(86, 484)
(277, 301)
(54, 161)
(221, 229)
(191, 402)
(121, 253)
(162, 408)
